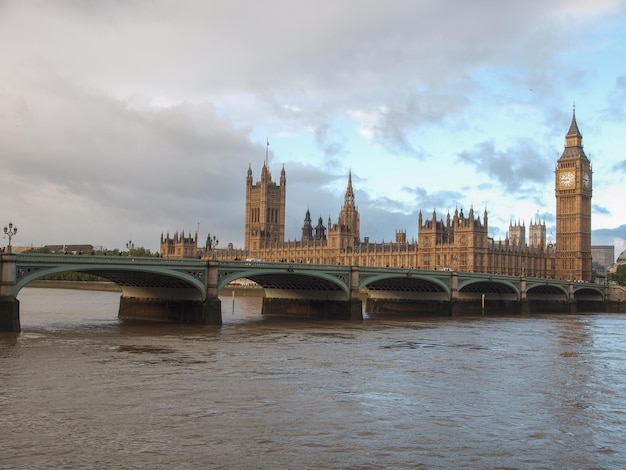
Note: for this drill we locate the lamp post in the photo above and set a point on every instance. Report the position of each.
(211, 244)
(130, 246)
(9, 231)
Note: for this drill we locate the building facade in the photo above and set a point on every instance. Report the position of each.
(265, 210)
(179, 246)
(603, 257)
(573, 189)
(460, 241)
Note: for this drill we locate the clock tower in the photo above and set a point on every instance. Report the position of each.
(573, 209)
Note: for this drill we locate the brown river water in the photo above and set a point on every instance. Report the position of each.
(78, 389)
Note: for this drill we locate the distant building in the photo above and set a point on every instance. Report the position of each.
(70, 249)
(603, 257)
(179, 246)
(460, 241)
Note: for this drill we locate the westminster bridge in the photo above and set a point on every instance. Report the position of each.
(186, 290)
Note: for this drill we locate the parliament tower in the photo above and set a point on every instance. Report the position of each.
(346, 233)
(265, 210)
(573, 209)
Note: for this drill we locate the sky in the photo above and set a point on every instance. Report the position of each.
(124, 120)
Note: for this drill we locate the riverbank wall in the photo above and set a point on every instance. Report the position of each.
(77, 285)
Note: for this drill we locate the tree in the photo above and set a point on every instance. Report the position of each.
(43, 249)
(619, 276)
(138, 251)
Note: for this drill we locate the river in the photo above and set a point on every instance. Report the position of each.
(80, 390)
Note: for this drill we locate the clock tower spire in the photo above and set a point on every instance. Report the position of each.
(573, 208)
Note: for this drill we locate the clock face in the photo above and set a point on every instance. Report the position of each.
(566, 179)
(587, 180)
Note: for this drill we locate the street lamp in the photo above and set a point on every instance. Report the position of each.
(211, 244)
(9, 231)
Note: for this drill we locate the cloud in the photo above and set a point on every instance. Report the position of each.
(615, 237)
(597, 209)
(403, 115)
(517, 168)
(617, 96)
(163, 167)
(120, 120)
(330, 141)
(619, 166)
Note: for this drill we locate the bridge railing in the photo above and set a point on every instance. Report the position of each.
(283, 265)
(103, 259)
(38, 258)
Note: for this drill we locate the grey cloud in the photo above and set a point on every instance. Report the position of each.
(597, 209)
(619, 166)
(514, 168)
(331, 143)
(615, 236)
(277, 45)
(407, 113)
(130, 164)
(77, 129)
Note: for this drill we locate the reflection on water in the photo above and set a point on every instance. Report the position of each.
(80, 389)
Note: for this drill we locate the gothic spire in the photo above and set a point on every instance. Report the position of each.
(573, 142)
(349, 199)
(573, 128)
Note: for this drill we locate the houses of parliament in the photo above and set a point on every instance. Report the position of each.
(460, 241)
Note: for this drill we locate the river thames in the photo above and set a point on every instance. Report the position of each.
(81, 390)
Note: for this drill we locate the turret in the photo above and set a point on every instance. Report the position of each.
(307, 228)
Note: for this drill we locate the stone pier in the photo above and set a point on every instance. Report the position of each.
(9, 305)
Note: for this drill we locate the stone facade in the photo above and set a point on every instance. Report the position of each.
(458, 242)
(573, 189)
(265, 210)
(179, 246)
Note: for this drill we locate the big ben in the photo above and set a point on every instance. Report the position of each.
(573, 188)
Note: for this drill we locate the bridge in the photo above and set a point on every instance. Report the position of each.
(187, 290)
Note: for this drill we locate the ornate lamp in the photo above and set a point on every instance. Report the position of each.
(211, 244)
(9, 231)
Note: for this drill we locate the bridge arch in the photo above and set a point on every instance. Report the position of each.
(409, 283)
(125, 276)
(289, 279)
(589, 293)
(477, 287)
(546, 291)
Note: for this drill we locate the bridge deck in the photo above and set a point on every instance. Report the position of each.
(171, 273)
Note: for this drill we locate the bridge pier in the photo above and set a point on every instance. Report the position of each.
(195, 312)
(573, 305)
(407, 307)
(9, 314)
(524, 307)
(9, 305)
